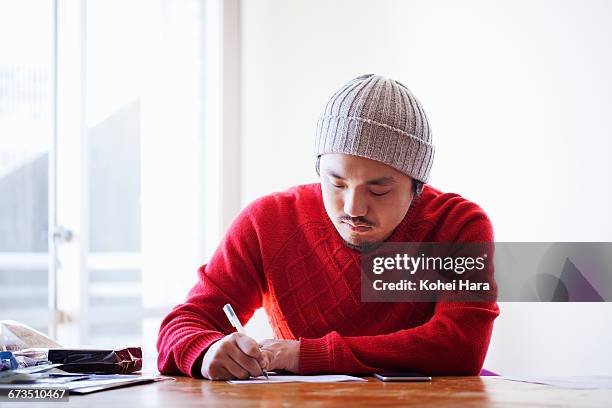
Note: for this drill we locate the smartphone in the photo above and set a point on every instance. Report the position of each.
(402, 376)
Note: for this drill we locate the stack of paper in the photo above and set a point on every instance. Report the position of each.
(47, 376)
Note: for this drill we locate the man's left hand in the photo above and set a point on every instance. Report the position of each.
(285, 354)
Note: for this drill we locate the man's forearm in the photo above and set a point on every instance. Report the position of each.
(453, 342)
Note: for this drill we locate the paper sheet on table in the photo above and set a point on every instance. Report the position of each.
(297, 378)
(576, 382)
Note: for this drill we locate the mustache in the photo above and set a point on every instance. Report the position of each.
(357, 220)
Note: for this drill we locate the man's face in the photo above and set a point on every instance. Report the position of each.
(365, 199)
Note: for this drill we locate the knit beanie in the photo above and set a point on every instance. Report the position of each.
(380, 119)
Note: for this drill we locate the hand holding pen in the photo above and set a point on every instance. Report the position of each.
(231, 315)
(235, 356)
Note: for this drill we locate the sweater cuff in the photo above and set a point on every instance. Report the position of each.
(314, 356)
(194, 350)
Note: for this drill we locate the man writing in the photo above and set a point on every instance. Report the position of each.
(296, 253)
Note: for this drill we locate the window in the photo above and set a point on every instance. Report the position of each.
(125, 165)
(144, 104)
(26, 129)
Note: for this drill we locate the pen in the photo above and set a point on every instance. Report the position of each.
(233, 319)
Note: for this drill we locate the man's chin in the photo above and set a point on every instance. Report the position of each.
(363, 246)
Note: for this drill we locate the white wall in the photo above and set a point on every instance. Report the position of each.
(519, 96)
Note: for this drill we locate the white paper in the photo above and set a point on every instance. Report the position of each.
(576, 382)
(297, 378)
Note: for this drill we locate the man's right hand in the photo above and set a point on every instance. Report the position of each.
(234, 356)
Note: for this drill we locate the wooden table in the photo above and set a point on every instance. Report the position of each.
(442, 392)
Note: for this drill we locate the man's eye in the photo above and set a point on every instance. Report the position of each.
(337, 185)
(379, 194)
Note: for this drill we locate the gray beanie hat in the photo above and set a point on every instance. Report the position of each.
(380, 119)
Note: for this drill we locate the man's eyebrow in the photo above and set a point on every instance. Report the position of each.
(382, 181)
(335, 175)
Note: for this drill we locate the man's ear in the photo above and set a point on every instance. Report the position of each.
(417, 187)
(317, 165)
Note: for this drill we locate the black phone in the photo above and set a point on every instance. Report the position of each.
(401, 376)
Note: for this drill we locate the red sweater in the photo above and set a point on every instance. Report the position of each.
(283, 253)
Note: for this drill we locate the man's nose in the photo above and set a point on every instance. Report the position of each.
(354, 206)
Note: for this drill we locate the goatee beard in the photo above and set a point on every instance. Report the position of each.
(364, 247)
